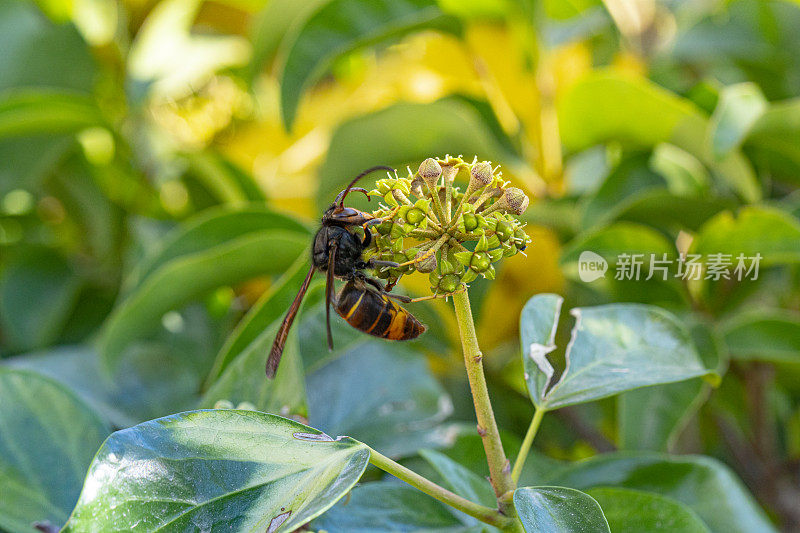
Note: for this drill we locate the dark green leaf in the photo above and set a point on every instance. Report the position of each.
(151, 381)
(32, 112)
(398, 409)
(459, 479)
(244, 380)
(225, 247)
(559, 510)
(389, 507)
(49, 439)
(37, 293)
(271, 306)
(631, 511)
(705, 485)
(614, 348)
(340, 26)
(767, 231)
(238, 470)
(765, 336)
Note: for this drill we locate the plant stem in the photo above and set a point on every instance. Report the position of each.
(481, 512)
(538, 414)
(499, 471)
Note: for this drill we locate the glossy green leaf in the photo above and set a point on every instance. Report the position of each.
(271, 306)
(559, 510)
(238, 470)
(631, 511)
(38, 291)
(606, 106)
(774, 134)
(389, 507)
(151, 381)
(340, 26)
(398, 409)
(243, 380)
(49, 439)
(225, 247)
(382, 138)
(613, 348)
(768, 231)
(32, 112)
(765, 336)
(703, 484)
(739, 107)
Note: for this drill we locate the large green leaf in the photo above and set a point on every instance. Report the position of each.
(452, 126)
(705, 485)
(768, 231)
(613, 348)
(237, 470)
(31, 112)
(38, 291)
(739, 107)
(773, 135)
(271, 306)
(390, 507)
(48, 439)
(607, 106)
(559, 510)
(398, 409)
(340, 26)
(765, 336)
(225, 247)
(632, 511)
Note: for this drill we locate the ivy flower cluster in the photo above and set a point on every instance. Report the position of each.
(434, 227)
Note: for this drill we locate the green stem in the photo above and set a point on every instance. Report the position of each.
(499, 471)
(481, 512)
(538, 414)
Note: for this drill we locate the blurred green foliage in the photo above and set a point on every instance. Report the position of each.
(163, 164)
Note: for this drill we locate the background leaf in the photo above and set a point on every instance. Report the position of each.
(739, 107)
(705, 485)
(259, 471)
(49, 439)
(631, 510)
(340, 26)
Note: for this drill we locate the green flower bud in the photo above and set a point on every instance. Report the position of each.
(429, 171)
(503, 230)
(480, 261)
(494, 242)
(464, 258)
(483, 244)
(449, 283)
(480, 175)
(415, 216)
(385, 227)
(496, 254)
(489, 273)
(470, 222)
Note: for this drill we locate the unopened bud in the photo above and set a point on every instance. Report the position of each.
(513, 200)
(425, 261)
(429, 171)
(480, 175)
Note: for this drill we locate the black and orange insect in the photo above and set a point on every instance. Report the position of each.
(363, 301)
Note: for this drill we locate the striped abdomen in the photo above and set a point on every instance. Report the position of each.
(371, 312)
